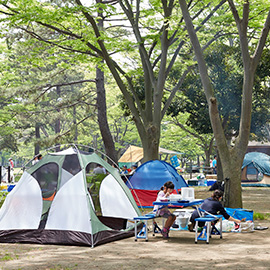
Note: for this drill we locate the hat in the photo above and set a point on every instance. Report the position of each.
(10, 158)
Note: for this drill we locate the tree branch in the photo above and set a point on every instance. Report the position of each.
(49, 86)
(242, 29)
(258, 52)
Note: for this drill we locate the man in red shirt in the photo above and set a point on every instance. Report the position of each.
(11, 163)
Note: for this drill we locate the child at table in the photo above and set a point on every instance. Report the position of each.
(162, 211)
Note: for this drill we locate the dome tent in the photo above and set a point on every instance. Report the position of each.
(256, 169)
(51, 204)
(150, 177)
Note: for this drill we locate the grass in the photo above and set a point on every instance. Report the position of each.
(260, 216)
(8, 257)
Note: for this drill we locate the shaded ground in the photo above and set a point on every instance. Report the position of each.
(235, 250)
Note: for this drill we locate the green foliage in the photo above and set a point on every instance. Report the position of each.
(94, 182)
(226, 75)
(3, 195)
(35, 101)
(261, 216)
(66, 41)
(177, 139)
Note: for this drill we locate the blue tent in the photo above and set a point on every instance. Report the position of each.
(150, 177)
(259, 160)
(256, 167)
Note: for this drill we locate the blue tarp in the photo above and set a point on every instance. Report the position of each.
(153, 174)
(259, 160)
(240, 213)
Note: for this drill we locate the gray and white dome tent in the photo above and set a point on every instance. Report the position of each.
(51, 204)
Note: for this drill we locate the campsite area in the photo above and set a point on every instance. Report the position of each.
(234, 251)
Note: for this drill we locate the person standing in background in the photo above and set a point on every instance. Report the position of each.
(11, 167)
(214, 165)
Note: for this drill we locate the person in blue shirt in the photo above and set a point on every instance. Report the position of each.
(124, 170)
(214, 165)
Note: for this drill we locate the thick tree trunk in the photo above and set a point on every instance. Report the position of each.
(102, 107)
(232, 176)
(102, 117)
(220, 175)
(150, 142)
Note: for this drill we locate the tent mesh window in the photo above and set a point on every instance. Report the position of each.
(47, 178)
(72, 164)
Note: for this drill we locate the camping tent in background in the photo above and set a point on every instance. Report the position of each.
(134, 154)
(256, 169)
(51, 204)
(149, 178)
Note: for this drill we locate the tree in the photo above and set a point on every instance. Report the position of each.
(47, 94)
(232, 157)
(153, 43)
(225, 72)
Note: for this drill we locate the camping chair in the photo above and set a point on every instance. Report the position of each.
(209, 227)
(143, 233)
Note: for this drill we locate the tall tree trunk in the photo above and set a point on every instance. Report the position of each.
(102, 107)
(75, 124)
(74, 115)
(232, 177)
(220, 175)
(57, 122)
(150, 142)
(102, 117)
(37, 134)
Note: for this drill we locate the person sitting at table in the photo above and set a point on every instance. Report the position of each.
(213, 206)
(162, 211)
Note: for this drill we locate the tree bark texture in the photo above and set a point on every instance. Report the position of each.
(102, 117)
(150, 142)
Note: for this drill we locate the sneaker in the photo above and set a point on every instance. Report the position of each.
(165, 233)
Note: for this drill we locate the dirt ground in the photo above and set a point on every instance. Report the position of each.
(235, 250)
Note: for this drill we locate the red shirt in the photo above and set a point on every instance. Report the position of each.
(11, 163)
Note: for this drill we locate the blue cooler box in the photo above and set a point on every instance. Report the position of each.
(211, 182)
